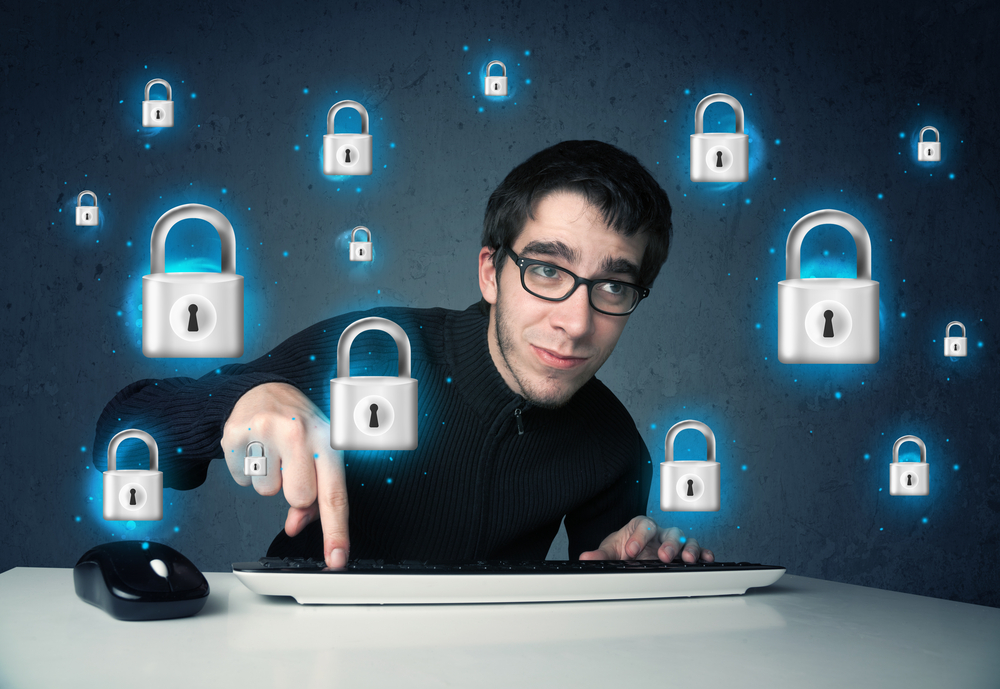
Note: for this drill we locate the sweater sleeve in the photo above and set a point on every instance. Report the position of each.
(613, 508)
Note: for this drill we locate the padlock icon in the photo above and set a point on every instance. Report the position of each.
(828, 320)
(158, 113)
(689, 485)
(909, 478)
(373, 412)
(254, 464)
(496, 86)
(719, 156)
(347, 154)
(361, 251)
(133, 494)
(86, 215)
(192, 314)
(929, 151)
(955, 346)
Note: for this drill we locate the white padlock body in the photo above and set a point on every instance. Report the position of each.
(361, 251)
(929, 151)
(496, 86)
(255, 466)
(148, 495)
(955, 346)
(355, 426)
(213, 329)
(347, 154)
(848, 335)
(699, 478)
(157, 113)
(86, 215)
(909, 478)
(720, 157)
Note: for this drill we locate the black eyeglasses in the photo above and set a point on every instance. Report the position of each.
(554, 283)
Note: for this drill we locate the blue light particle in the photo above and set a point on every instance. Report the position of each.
(527, 52)
(951, 175)
(312, 357)
(224, 190)
(867, 456)
(757, 326)
(777, 142)
(131, 525)
(128, 243)
(480, 109)
(902, 314)
(358, 189)
(83, 448)
(177, 529)
(76, 518)
(448, 379)
(687, 92)
(194, 95)
(392, 144)
(771, 250)
(305, 90)
(837, 395)
(955, 467)
(747, 201)
(880, 195)
(119, 313)
(465, 47)
(285, 254)
(145, 545)
(388, 480)
(902, 135)
(147, 146)
(744, 467)
(296, 147)
(652, 426)
(180, 450)
(683, 540)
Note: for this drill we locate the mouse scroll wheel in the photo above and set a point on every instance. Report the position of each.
(160, 567)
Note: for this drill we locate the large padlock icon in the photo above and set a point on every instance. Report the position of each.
(955, 346)
(133, 494)
(347, 154)
(86, 215)
(496, 86)
(254, 464)
(929, 150)
(361, 251)
(909, 478)
(192, 314)
(689, 485)
(719, 156)
(158, 113)
(828, 320)
(373, 412)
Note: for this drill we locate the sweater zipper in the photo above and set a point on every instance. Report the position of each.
(520, 424)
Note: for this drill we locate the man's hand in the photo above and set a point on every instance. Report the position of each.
(642, 539)
(296, 438)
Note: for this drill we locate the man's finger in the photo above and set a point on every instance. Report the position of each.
(333, 507)
(299, 518)
(234, 460)
(641, 531)
(691, 551)
(594, 555)
(670, 544)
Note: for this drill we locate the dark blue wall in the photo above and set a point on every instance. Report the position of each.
(844, 89)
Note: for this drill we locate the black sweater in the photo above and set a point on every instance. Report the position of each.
(481, 484)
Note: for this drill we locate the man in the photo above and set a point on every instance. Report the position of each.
(515, 432)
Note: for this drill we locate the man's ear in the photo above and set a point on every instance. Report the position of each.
(487, 275)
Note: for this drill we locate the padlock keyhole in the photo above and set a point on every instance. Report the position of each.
(256, 466)
(718, 159)
(373, 422)
(347, 155)
(828, 326)
(159, 114)
(131, 500)
(956, 346)
(193, 318)
(496, 86)
(361, 252)
(929, 152)
(909, 480)
(691, 487)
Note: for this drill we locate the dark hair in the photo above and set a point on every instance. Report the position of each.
(613, 181)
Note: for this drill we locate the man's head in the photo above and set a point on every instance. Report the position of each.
(592, 209)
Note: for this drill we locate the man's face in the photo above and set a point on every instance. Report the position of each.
(547, 350)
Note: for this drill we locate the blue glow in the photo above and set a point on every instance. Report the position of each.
(687, 92)
(683, 540)
(448, 379)
(867, 456)
(777, 142)
(285, 254)
(837, 395)
(388, 480)
(224, 190)
(392, 144)
(465, 47)
(83, 448)
(145, 545)
(902, 135)
(296, 147)
(881, 195)
(951, 175)
(130, 525)
(955, 467)
(305, 90)
(527, 52)
(744, 467)
(147, 146)
(902, 314)
(194, 95)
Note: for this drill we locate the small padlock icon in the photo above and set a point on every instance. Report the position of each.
(86, 215)
(158, 113)
(347, 154)
(955, 346)
(133, 494)
(689, 485)
(909, 478)
(373, 412)
(361, 251)
(719, 156)
(929, 151)
(828, 320)
(192, 314)
(253, 464)
(496, 86)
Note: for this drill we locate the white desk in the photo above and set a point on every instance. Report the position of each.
(800, 632)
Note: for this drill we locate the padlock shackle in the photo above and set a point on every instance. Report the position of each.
(862, 242)
(947, 330)
(668, 445)
(337, 107)
(154, 453)
(699, 112)
(79, 197)
(909, 439)
(158, 241)
(361, 227)
(170, 93)
(251, 444)
(496, 62)
(372, 323)
(920, 137)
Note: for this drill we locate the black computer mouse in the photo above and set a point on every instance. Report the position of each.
(140, 580)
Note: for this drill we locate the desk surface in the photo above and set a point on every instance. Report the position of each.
(799, 632)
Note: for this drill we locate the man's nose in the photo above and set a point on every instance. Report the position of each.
(573, 314)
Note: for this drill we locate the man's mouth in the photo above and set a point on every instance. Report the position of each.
(555, 360)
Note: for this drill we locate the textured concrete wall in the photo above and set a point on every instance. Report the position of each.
(843, 89)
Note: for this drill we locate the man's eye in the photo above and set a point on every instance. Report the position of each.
(612, 288)
(547, 272)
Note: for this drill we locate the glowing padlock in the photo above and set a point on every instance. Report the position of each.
(689, 485)
(134, 494)
(955, 346)
(719, 156)
(929, 151)
(86, 215)
(909, 478)
(361, 251)
(496, 86)
(158, 113)
(347, 154)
